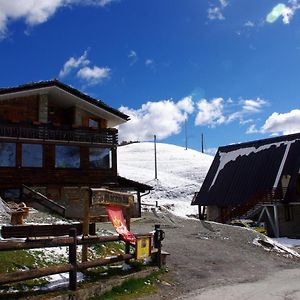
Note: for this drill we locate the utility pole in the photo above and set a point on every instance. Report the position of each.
(185, 131)
(155, 159)
(202, 144)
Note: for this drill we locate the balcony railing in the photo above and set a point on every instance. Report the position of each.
(60, 133)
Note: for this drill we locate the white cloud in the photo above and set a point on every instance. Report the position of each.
(93, 75)
(210, 112)
(149, 62)
(36, 12)
(286, 12)
(218, 111)
(253, 105)
(186, 104)
(74, 63)
(249, 24)
(133, 57)
(252, 129)
(163, 118)
(285, 123)
(216, 12)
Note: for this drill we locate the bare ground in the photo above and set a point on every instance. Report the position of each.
(210, 255)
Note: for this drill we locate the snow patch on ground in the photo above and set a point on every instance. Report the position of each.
(273, 245)
(288, 242)
(180, 173)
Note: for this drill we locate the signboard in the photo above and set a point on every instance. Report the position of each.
(143, 247)
(108, 197)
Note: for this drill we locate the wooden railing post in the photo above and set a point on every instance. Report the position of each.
(73, 260)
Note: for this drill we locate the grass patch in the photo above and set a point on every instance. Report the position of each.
(109, 248)
(133, 288)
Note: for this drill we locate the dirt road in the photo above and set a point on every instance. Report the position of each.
(282, 285)
(211, 256)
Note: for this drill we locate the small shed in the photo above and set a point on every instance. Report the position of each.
(258, 179)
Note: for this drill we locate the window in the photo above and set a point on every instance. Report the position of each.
(7, 154)
(67, 157)
(100, 158)
(32, 155)
(93, 123)
(11, 194)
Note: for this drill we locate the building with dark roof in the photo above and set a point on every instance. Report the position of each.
(59, 141)
(255, 179)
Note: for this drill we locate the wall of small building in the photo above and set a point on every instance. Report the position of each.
(213, 213)
(289, 220)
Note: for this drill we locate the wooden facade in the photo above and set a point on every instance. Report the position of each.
(57, 140)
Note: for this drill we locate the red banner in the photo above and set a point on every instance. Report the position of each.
(116, 217)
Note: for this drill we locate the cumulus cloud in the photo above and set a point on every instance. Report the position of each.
(210, 112)
(163, 118)
(90, 75)
(218, 111)
(74, 63)
(285, 123)
(286, 12)
(216, 12)
(36, 12)
(93, 75)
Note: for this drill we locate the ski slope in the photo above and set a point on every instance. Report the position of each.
(180, 173)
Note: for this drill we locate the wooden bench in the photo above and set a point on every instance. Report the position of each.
(163, 257)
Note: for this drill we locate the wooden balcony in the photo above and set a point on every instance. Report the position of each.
(49, 132)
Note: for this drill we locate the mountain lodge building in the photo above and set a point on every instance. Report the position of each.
(59, 142)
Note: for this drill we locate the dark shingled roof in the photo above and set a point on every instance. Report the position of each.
(67, 88)
(240, 171)
(127, 183)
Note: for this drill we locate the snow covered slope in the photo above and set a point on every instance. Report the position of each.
(180, 173)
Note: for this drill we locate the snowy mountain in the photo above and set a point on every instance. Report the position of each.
(180, 173)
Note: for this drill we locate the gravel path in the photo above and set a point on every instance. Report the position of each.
(210, 255)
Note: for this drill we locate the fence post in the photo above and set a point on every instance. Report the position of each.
(73, 260)
(157, 244)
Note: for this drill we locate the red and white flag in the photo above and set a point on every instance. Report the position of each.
(116, 217)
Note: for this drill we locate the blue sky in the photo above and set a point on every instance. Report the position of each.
(229, 69)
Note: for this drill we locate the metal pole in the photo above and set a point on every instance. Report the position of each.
(157, 244)
(202, 146)
(185, 131)
(155, 158)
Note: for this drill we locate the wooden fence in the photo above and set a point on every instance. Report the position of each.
(72, 241)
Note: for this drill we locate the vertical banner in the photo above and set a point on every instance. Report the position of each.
(116, 217)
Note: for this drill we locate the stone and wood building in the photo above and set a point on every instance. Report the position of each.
(59, 142)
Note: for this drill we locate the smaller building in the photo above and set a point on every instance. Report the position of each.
(258, 179)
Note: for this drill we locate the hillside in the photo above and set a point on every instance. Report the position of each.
(180, 173)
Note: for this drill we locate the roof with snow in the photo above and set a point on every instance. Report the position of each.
(240, 171)
(64, 92)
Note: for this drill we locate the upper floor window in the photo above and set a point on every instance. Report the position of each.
(32, 155)
(7, 154)
(100, 158)
(93, 123)
(67, 157)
